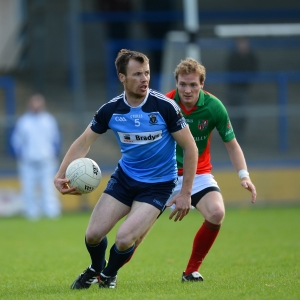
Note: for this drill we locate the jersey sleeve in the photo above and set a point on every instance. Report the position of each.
(175, 119)
(223, 124)
(99, 123)
(171, 112)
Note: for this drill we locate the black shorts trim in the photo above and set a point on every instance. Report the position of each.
(198, 196)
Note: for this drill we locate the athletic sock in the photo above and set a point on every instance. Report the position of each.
(117, 259)
(97, 254)
(203, 241)
(131, 255)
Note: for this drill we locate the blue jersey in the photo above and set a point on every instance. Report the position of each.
(144, 135)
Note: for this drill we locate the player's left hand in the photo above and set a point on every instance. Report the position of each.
(182, 207)
(248, 185)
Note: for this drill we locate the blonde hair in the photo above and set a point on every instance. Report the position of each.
(188, 66)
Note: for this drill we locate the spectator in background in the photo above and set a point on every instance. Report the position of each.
(36, 141)
(240, 60)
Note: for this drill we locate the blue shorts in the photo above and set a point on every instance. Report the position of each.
(127, 190)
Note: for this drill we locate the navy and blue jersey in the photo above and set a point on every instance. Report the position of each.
(144, 135)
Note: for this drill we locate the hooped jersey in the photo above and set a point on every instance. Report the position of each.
(143, 134)
(208, 113)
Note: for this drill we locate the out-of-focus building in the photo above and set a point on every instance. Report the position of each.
(62, 49)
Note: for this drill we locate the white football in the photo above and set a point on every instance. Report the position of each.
(84, 174)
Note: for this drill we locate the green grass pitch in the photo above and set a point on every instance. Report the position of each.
(256, 256)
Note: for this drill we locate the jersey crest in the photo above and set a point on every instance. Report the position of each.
(202, 124)
(153, 119)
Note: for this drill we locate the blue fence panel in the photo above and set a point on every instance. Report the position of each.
(207, 16)
(8, 84)
(281, 78)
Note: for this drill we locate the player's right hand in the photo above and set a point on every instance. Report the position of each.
(182, 207)
(62, 185)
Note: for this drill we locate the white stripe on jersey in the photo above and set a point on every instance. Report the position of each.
(165, 98)
(112, 100)
(121, 96)
(175, 105)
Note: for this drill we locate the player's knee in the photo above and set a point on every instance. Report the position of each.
(216, 215)
(124, 241)
(92, 236)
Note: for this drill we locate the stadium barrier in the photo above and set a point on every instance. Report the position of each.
(274, 187)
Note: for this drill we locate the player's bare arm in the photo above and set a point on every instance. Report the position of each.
(78, 149)
(239, 163)
(182, 201)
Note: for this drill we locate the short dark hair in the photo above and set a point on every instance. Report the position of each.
(124, 56)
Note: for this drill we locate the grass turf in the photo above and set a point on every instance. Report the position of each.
(256, 256)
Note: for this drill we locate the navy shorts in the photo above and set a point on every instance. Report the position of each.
(127, 190)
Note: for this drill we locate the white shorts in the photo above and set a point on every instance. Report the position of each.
(201, 182)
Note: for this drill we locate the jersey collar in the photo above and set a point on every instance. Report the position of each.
(200, 101)
(140, 105)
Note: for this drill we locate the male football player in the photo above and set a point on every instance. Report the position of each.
(204, 112)
(147, 125)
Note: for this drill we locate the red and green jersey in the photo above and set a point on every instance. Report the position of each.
(208, 113)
